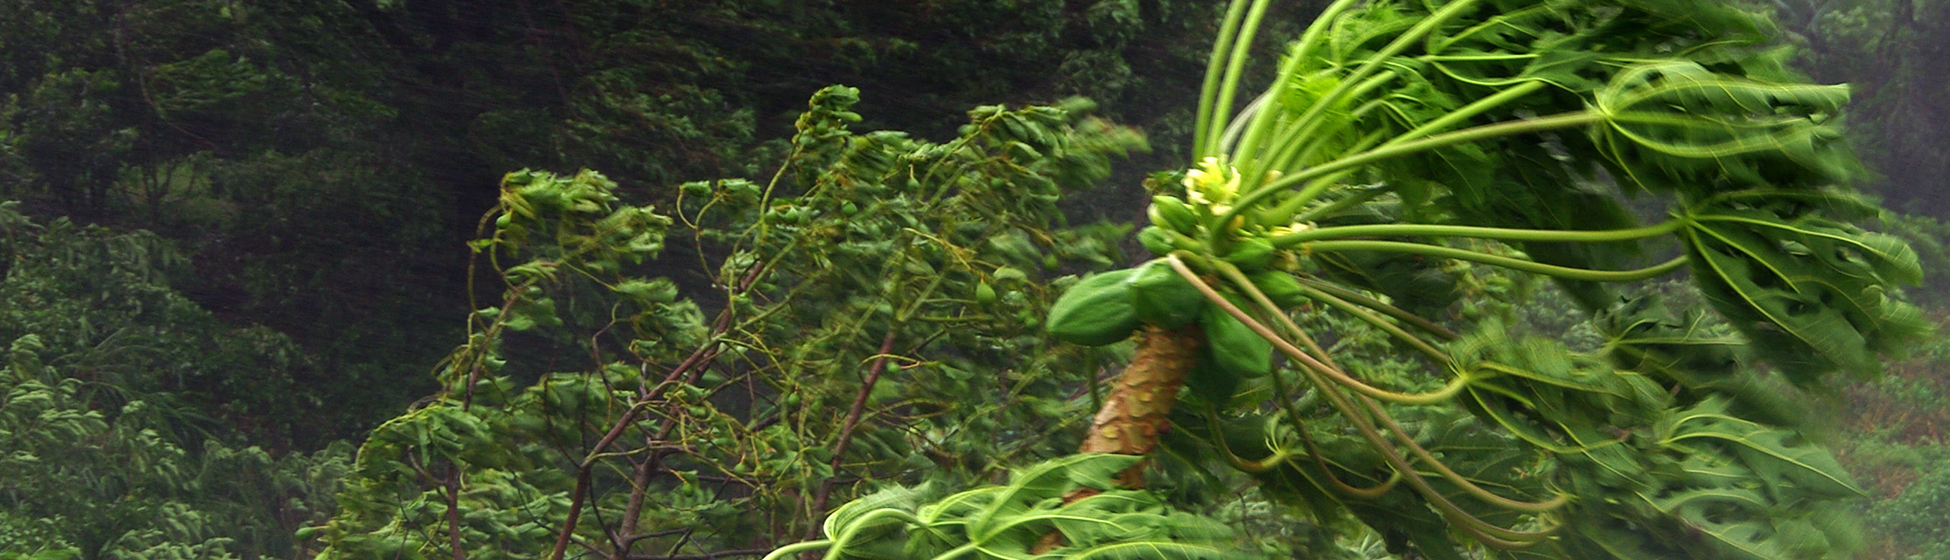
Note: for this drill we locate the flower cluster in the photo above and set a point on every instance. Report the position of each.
(1212, 185)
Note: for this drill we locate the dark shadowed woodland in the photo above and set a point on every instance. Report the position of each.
(960, 279)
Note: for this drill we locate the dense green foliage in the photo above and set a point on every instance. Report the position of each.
(876, 306)
(124, 408)
(243, 227)
(323, 162)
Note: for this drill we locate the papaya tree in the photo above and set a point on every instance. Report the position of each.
(1314, 318)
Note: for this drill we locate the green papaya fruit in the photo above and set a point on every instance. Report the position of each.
(1174, 213)
(1252, 254)
(1095, 312)
(1156, 240)
(1210, 383)
(1236, 349)
(1157, 217)
(1164, 298)
(1280, 287)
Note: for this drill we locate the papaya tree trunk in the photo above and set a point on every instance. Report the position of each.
(1134, 414)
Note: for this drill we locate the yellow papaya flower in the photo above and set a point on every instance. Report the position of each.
(1212, 185)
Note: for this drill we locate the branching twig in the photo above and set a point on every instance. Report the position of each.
(853, 421)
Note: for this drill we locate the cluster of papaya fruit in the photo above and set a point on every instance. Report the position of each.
(1107, 308)
(1176, 225)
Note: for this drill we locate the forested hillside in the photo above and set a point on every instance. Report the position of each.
(676, 279)
(320, 164)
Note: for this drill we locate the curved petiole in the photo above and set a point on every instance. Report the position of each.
(789, 550)
(1363, 300)
(1392, 329)
(1364, 425)
(1453, 477)
(1496, 536)
(1271, 462)
(1472, 134)
(1313, 450)
(1290, 350)
(1246, 285)
(1503, 234)
(1462, 519)
(1512, 263)
(853, 529)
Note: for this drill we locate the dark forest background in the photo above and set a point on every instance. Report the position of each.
(238, 235)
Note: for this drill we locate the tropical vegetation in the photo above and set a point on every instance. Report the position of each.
(1423, 278)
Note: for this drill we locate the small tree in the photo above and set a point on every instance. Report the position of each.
(871, 313)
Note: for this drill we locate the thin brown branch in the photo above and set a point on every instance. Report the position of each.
(453, 511)
(632, 513)
(575, 513)
(853, 420)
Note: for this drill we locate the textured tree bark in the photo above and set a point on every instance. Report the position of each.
(1134, 413)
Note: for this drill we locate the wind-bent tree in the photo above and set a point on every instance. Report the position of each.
(1403, 148)
(1328, 313)
(870, 313)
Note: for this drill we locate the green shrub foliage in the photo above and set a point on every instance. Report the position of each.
(127, 413)
(870, 314)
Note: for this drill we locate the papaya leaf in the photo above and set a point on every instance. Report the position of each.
(1009, 522)
(1753, 539)
(1643, 335)
(1814, 293)
(897, 497)
(1676, 125)
(1782, 458)
(1050, 479)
